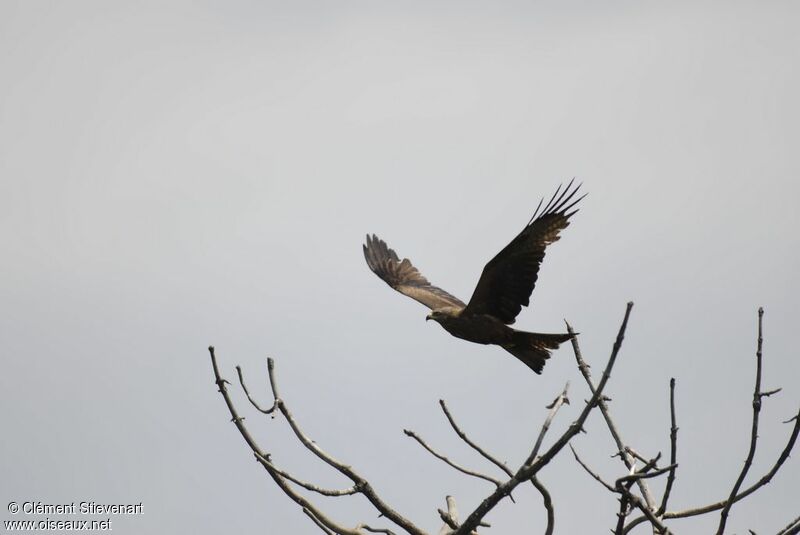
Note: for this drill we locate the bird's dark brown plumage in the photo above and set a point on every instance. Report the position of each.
(508, 279)
(505, 285)
(404, 277)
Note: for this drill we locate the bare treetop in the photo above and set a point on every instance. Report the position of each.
(631, 486)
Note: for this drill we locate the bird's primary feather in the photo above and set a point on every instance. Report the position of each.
(508, 279)
(404, 277)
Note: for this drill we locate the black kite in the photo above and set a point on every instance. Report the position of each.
(504, 288)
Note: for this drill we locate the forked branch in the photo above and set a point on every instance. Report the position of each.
(626, 457)
(281, 478)
(547, 500)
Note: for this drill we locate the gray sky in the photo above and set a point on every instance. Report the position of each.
(174, 175)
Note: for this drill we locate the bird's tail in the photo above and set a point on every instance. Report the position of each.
(534, 348)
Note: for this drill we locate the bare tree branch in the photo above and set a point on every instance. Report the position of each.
(673, 449)
(375, 530)
(757, 395)
(450, 518)
(636, 455)
(360, 484)
(792, 528)
(560, 400)
(622, 486)
(526, 472)
(592, 473)
(624, 509)
(271, 410)
(472, 444)
(310, 509)
(758, 484)
(450, 463)
(649, 475)
(538, 485)
(308, 486)
(626, 458)
(652, 513)
(716, 506)
(235, 418)
(547, 500)
(736, 494)
(317, 521)
(648, 513)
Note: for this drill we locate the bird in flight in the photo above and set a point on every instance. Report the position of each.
(504, 288)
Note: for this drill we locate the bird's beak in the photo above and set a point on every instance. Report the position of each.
(428, 317)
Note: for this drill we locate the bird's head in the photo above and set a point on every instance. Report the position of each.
(442, 314)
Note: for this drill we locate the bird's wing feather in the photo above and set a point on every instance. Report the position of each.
(404, 277)
(508, 279)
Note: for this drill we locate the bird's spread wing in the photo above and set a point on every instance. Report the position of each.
(404, 277)
(508, 279)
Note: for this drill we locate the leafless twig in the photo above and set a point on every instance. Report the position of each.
(258, 407)
(308, 486)
(673, 449)
(560, 400)
(472, 444)
(792, 528)
(757, 395)
(375, 530)
(450, 463)
(547, 501)
(591, 472)
(317, 521)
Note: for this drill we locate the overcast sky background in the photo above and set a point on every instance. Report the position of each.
(174, 175)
